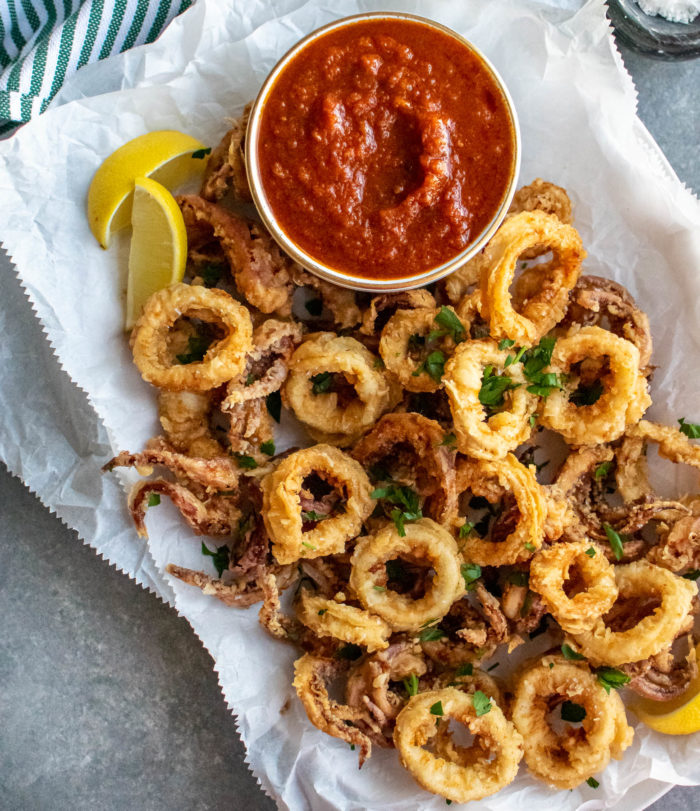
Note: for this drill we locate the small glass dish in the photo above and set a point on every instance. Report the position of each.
(652, 35)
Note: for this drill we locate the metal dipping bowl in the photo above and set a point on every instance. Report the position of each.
(310, 262)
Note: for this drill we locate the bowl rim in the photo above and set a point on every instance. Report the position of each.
(311, 263)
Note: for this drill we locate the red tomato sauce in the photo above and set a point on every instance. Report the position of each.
(385, 148)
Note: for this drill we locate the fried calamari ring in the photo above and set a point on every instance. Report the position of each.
(624, 397)
(282, 507)
(224, 359)
(341, 302)
(567, 759)
(547, 306)
(470, 682)
(679, 547)
(590, 574)
(424, 543)
(405, 345)
(383, 307)
(226, 166)
(346, 622)
(323, 362)
(310, 676)
(541, 195)
(491, 480)
(643, 582)
(410, 447)
(184, 416)
(478, 434)
(469, 773)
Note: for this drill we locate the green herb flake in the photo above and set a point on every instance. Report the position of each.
(449, 441)
(543, 384)
(530, 546)
(250, 379)
(268, 448)
(466, 529)
(321, 383)
(505, 343)
(592, 782)
(220, 557)
(352, 747)
(452, 326)
(311, 516)
(322, 611)
(512, 359)
(436, 709)
(308, 546)
(245, 462)
(590, 552)
(200, 154)
(602, 470)
(431, 634)
(466, 669)
(569, 653)
(153, 499)
(533, 419)
(518, 578)
(572, 712)
(616, 541)
(471, 572)
(273, 401)
(448, 802)
(433, 365)
(379, 364)
(481, 703)
(350, 652)
(610, 678)
(535, 359)
(379, 588)
(587, 395)
(693, 574)
(411, 684)
(407, 505)
(493, 387)
(211, 274)
(197, 347)
(690, 429)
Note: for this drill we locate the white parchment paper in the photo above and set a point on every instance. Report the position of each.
(577, 115)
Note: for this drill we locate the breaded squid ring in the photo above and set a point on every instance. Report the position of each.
(551, 568)
(424, 542)
(567, 759)
(479, 435)
(327, 418)
(226, 165)
(395, 347)
(507, 476)
(624, 398)
(382, 307)
(345, 622)
(184, 417)
(224, 359)
(475, 772)
(520, 232)
(412, 441)
(642, 581)
(282, 508)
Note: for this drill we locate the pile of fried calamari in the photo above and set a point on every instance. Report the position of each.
(416, 534)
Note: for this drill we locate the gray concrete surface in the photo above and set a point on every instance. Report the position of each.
(107, 700)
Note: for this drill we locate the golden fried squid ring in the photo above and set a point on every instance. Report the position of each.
(632, 473)
(541, 311)
(411, 448)
(345, 622)
(478, 434)
(226, 165)
(622, 402)
(424, 542)
(381, 308)
(224, 359)
(184, 416)
(323, 363)
(310, 676)
(282, 508)
(341, 302)
(491, 480)
(564, 760)
(405, 335)
(590, 574)
(460, 774)
(641, 581)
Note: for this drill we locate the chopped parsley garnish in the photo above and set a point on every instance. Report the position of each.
(587, 395)
(308, 516)
(533, 419)
(530, 546)
(220, 558)
(211, 274)
(471, 572)
(505, 343)
(451, 325)
(493, 387)
(268, 448)
(273, 402)
(569, 653)
(465, 529)
(616, 541)
(153, 500)
(481, 703)
(405, 499)
(379, 364)
(245, 462)
(610, 678)
(200, 154)
(572, 712)
(518, 578)
(465, 670)
(308, 546)
(314, 306)
(590, 552)
(535, 359)
(436, 709)
(511, 359)
(693, 574)
(250, 379)
(449, 440)
(322, 611)
(379, 588)
(544, 383)
(197, 347)
(411, 684)
(350, 651)
(433, 365)
(690, 429)
(602, 470)
(592, 782)
(322, 383)
(431, 634)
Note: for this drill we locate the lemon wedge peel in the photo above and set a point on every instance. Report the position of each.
(165, 156)
(158, 253)
(680, 716)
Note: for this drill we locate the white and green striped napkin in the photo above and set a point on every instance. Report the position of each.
(43, 42)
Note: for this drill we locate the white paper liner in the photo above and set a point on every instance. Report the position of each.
(577, 112)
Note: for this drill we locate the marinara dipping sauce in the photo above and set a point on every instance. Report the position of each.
(385, 147)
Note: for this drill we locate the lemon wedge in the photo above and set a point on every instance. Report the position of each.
(168, 156)
(680, 716)
(158, 245)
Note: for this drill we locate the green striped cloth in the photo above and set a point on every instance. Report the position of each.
(43, 42)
